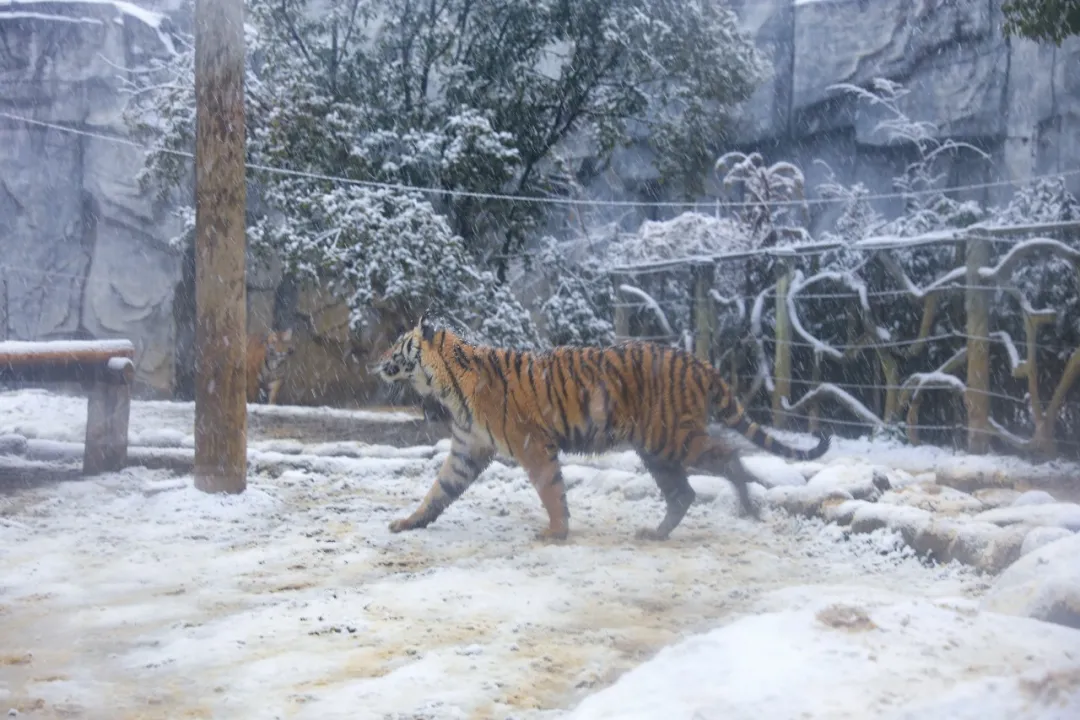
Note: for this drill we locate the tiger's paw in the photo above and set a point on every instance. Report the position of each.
(552, 535)
(650, 534)
(400, 525)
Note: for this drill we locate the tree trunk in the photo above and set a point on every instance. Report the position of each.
(220, 291)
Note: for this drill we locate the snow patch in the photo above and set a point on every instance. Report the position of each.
(845, 657)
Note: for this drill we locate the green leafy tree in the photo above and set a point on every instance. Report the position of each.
(1052, 20)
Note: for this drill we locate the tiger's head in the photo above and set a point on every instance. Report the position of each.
(403, 360)
(279, 346)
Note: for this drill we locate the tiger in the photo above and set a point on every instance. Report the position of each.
(266, 364)
(529, 406)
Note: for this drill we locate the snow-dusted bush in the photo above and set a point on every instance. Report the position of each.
(772, 193)
(579, 307)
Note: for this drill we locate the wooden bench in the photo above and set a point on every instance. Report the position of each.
(105, 370)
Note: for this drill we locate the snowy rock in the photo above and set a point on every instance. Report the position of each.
(1064, 515)
(606, 482)
(1044, 584)
(843, 656)
(12, 445)
(971, 479)
(856, 479)
(982, 545)
(902, 478)
(908, 521)
(843, 512)
(1040, 536)
(996, 497)
(935, 539)
(986, 546)
(805, 500)
(935, 498)
(772, 471)
(1034, 497)
(924, 478)
(808, 468)
(639, 487)
(710, 487)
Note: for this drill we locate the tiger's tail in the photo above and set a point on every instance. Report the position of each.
(734, 416)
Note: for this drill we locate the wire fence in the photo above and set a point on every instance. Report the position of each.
(854, 359)
(708, 204)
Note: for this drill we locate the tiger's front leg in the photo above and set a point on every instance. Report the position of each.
(541, 462)
(457, 473)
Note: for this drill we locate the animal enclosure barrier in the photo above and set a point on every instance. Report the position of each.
(875, 335)
(105, 370)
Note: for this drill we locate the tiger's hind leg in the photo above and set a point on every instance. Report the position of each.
(671, 478)
(457, 473)
(713, 456)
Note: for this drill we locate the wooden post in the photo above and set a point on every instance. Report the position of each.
(977, 311)
(108, 410)
(220, 292)
(815, 409)
(5, 305)
(782, 363)
(703, 310)
(622, 312)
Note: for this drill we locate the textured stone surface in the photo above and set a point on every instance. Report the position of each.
(84, 251)
(1014, 97)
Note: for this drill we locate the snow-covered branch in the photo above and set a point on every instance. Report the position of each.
(797, 284)
(1012, 258)
(1010, 348)
(839, 394)
(756, 333)
(920, 293)
(940, 378)
(650, 304)
(1013, 439)
(740, 306)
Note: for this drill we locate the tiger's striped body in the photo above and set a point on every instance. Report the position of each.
(266, 364)
(530, 406)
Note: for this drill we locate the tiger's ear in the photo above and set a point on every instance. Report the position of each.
(427, 330)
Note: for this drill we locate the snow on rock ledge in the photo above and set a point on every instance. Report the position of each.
(1063, 515)
(772, 471)
(1034, 497)
(987, 531)
(1037, 537)
(1044, 584)
(843, 656)
(933, 497)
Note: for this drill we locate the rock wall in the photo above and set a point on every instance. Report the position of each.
(1017, 100)
(1014, 98)
(83, 250)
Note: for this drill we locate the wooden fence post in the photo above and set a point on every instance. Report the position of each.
(977, 311)
(782, 363)
(702, 309)
(622, 312)
(5, 306)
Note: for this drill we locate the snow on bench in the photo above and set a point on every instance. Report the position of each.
(103, 367)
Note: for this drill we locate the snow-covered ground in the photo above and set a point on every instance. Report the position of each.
(133, 595)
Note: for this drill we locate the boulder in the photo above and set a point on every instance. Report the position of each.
(1044, 584)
